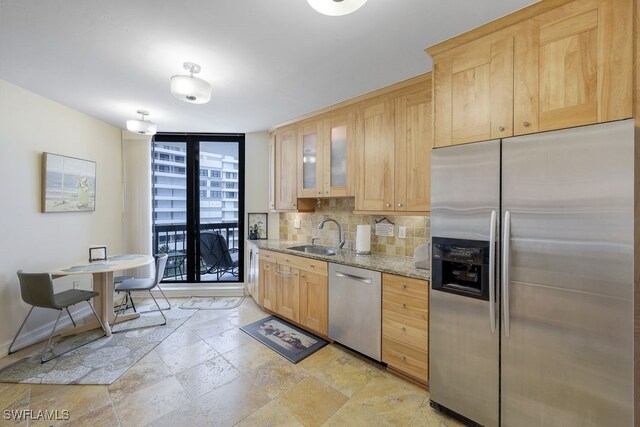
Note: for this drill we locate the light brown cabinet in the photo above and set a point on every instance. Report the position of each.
(287, 292)
(295, 288)
(393, 152)
(473, 92)
(573, 66)
(325, 156)
(405, 320)
(286, 169)
(314, 294)
(566, 67)
(267, 282)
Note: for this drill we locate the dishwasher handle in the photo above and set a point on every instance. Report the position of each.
(352, 277)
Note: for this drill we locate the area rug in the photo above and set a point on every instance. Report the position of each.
(212, 303)
(102, 361)
(284, 338)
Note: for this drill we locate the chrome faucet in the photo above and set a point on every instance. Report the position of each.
(321, 226)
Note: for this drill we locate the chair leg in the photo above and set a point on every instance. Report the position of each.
(165, 297)
(71, 317)
(159, 309)
(20, 330)
(49, 340)
(133, 305)
(42, 360)
(118, 312)
(97, 317)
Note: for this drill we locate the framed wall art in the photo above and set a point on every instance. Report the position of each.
(258, 226)
(68, 184)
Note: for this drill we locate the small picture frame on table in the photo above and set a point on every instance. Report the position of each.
(258, 226)
(97, 253)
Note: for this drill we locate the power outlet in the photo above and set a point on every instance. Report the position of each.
(76, 284)
(296, 223)
(402, 232)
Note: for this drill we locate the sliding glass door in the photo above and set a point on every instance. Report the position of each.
(198, 206)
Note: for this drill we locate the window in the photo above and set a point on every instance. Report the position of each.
(189, 198)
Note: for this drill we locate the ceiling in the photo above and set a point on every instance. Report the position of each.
(268, 60)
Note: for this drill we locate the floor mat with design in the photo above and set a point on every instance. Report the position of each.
(284, 338)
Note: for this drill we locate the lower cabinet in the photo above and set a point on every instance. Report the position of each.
(267, 285)
(296, 289)
(405, 321)
(314, 295)
(288, 292)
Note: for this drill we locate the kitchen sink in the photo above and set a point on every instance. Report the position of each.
(317, 250)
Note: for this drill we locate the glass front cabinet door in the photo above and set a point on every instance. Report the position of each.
(310, 170)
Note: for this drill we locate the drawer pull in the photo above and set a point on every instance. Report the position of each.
(403, 329)
(526, 124)
(403, 286)
(404, 305)
(404, 358)
(501, 128)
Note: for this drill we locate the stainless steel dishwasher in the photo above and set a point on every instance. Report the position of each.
(355, 309)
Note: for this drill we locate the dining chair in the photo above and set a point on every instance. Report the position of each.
(37, 290)
(146, 284)
(116, 281)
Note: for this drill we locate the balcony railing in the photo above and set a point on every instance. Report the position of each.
(172, 239)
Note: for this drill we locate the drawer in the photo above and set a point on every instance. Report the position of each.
(407, 286)
(405, 329)
(407, 309)
(302, 263)
(268, 256)
(404, 304)
(405, 358)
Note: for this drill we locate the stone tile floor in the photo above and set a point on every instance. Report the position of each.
(209, 373)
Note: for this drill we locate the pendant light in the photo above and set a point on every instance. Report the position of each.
(190, 89)
(142, 126)
(336, 7)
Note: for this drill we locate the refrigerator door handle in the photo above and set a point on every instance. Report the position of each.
(492, 271)
(505, 270)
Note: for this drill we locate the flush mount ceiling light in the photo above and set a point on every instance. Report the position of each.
(142, 126)
(191, 89)
(336, 7)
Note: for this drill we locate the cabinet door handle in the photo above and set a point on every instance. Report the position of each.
(403, 286)
(403, 329)
(526, 124)
(293, 205)
(399, 205)
(404, 305)
(404, 358)
(388, 205)
(501, 128)
(326, 192)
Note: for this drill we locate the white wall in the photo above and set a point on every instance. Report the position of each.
(35, 241)
(256, 184)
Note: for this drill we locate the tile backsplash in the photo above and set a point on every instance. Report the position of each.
(341, 210)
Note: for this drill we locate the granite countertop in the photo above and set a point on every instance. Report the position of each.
(394, 264)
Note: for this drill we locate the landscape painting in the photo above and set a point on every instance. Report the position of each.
(69, 184)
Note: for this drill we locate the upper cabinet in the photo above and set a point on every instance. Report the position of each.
(286, 169)
(376, 147)
(564, 67)
(393, 151)
(474, 92)
(325, 158)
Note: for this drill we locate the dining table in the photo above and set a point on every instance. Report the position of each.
(102, 272)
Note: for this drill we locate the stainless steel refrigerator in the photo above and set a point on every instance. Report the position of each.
(532, 298)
